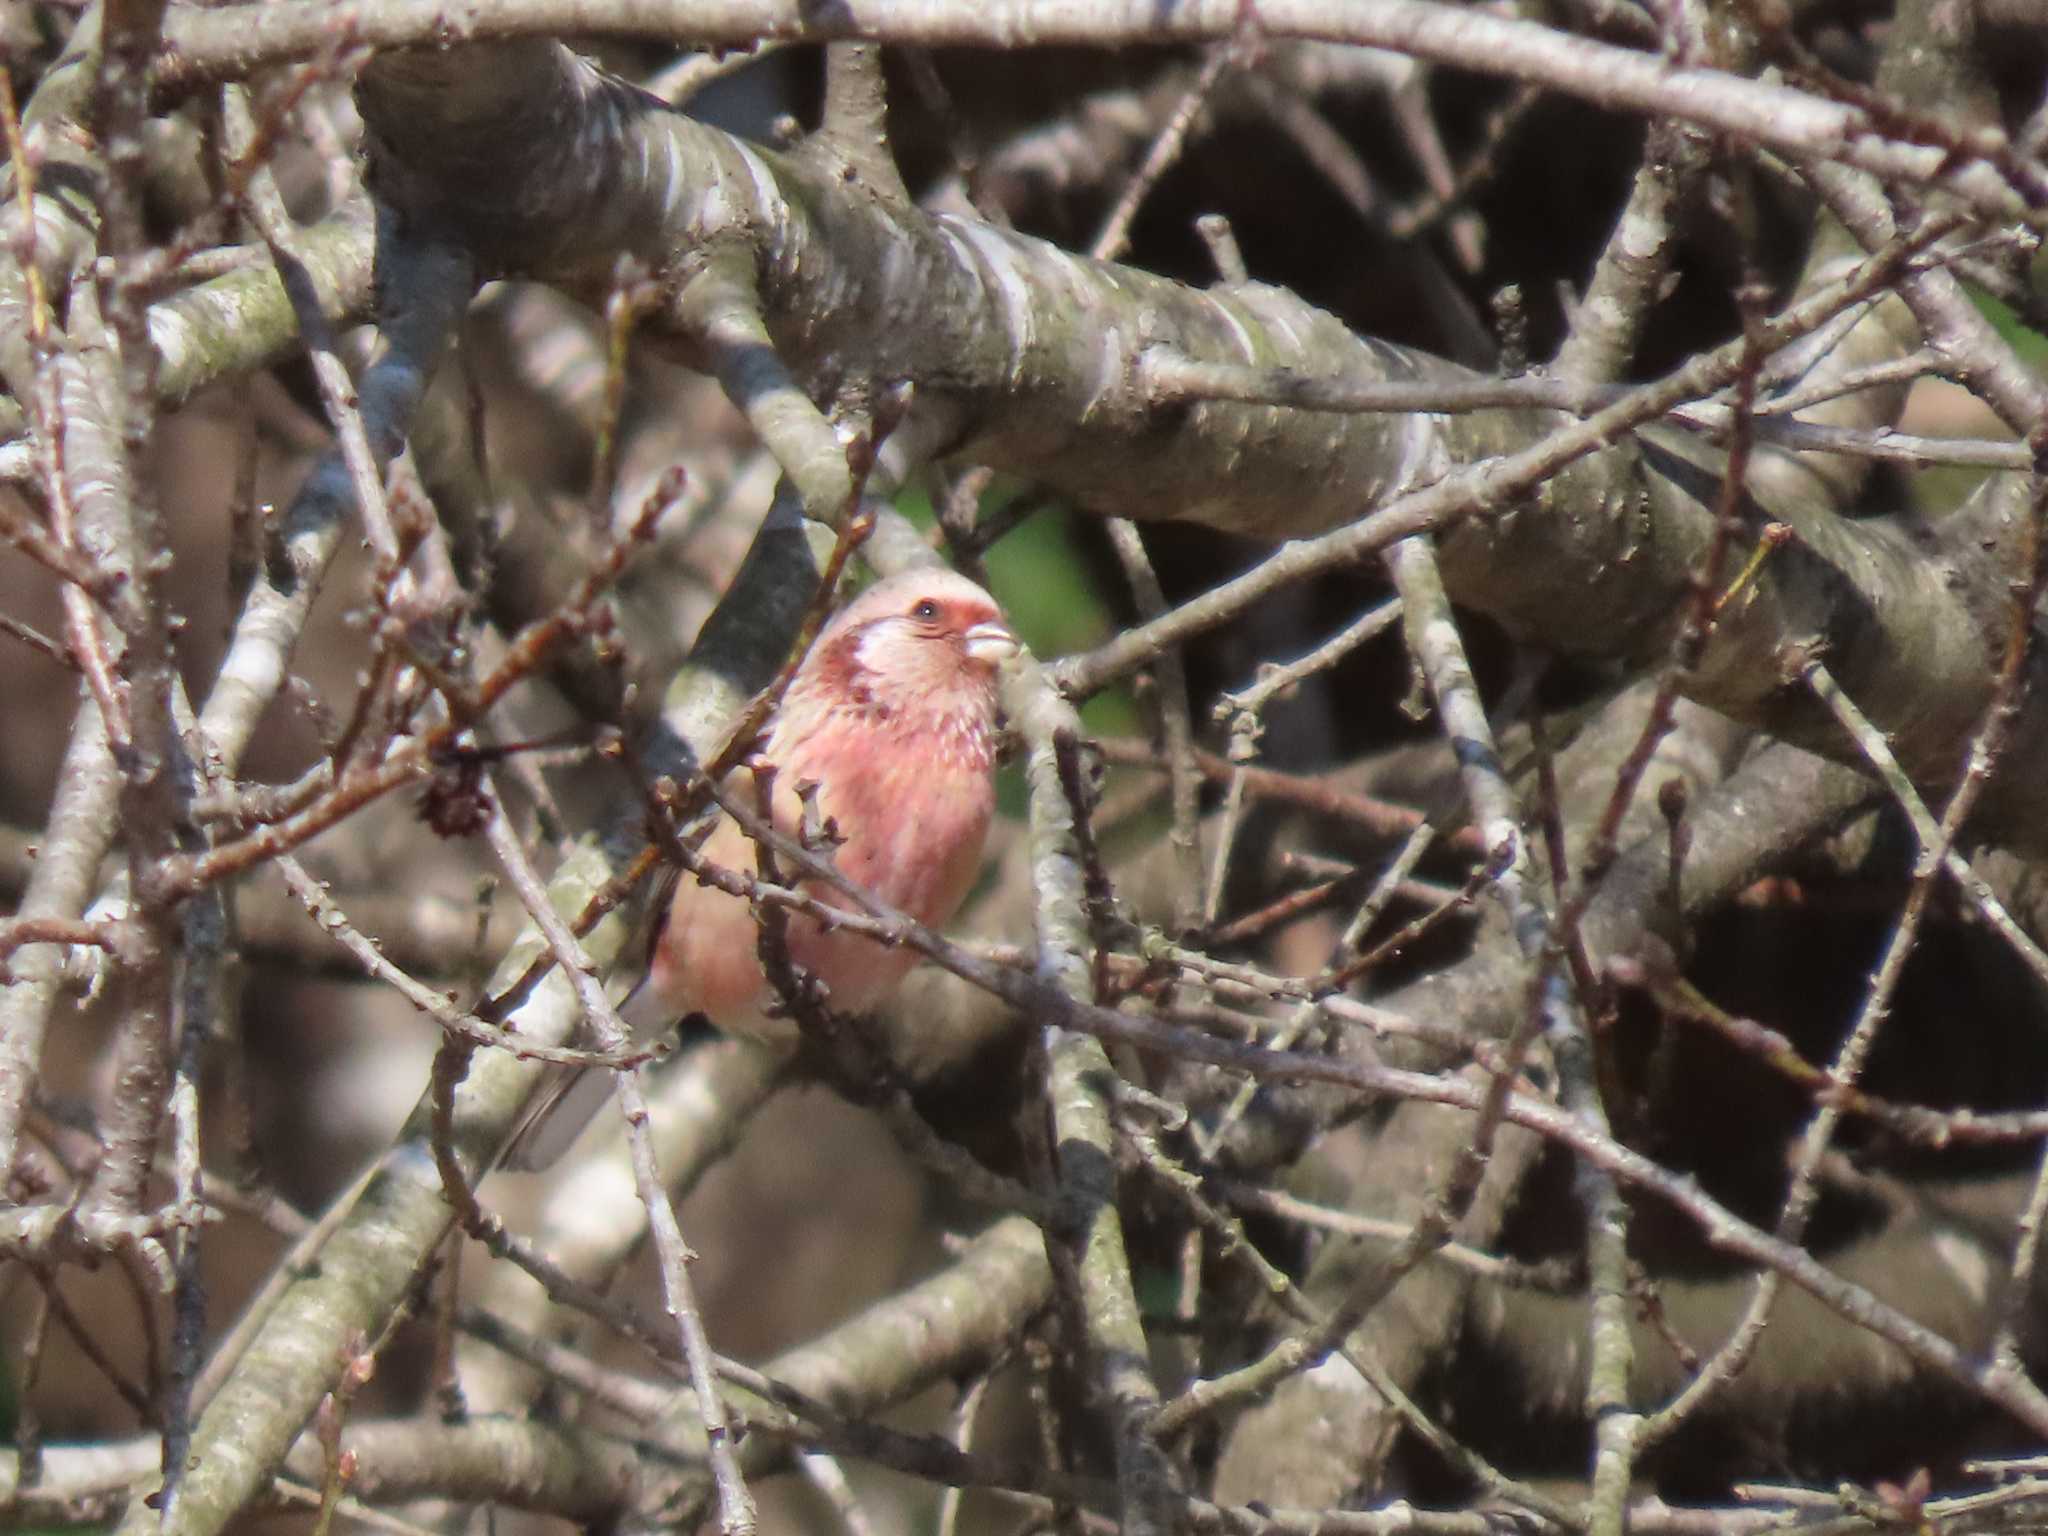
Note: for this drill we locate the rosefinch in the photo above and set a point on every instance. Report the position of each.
(892, 715)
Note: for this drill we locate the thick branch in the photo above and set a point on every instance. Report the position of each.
(1035, 361)
(204, 46)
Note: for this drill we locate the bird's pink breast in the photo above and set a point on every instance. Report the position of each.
(912, 803)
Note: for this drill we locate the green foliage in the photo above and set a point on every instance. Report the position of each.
(2031, 345)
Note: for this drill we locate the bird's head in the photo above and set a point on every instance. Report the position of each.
(927, 641)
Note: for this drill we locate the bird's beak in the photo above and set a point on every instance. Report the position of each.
(991, 644)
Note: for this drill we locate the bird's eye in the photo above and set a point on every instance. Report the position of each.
(926, 610)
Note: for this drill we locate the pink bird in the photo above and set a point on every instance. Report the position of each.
(893, 715)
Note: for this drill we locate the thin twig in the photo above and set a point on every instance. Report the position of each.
(736, 1505)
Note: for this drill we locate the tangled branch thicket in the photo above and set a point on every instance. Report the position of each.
(1509, 989)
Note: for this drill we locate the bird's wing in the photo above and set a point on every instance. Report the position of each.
(570, 1097)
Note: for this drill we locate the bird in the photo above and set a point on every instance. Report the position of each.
(892, 716)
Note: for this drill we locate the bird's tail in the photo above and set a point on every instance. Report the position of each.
(572, 1096)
